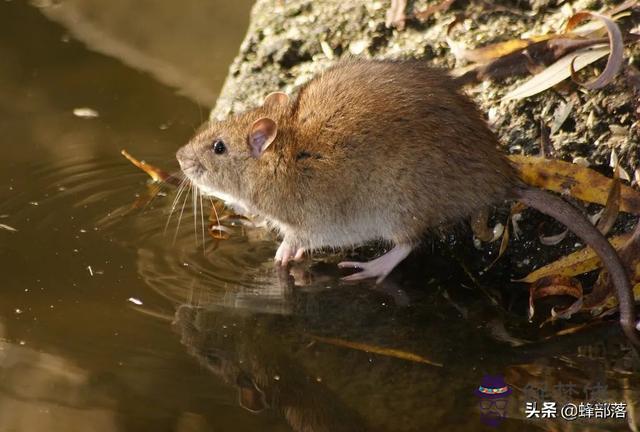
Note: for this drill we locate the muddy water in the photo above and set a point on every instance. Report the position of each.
(114, 317)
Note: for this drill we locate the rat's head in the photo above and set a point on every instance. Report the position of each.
(222, 158)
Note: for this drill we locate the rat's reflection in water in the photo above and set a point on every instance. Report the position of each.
(244, 356)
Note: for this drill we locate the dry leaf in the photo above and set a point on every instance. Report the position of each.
(556, 285)
(219, 232)
(616, 47)
(518, 56)
(580, 182)
(576, 263)
(155, 173)
(553, 239)
(558, 71)
(566, 313)
(602, 290)
(493, 51)
(522, 61)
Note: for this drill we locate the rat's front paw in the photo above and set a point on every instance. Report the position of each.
(286, 253)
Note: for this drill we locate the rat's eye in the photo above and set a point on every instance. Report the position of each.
(219, 147)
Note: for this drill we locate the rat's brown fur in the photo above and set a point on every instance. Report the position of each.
(368, 150)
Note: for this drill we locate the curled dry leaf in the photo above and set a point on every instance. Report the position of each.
(558, 71)
(553, 239)
(616, 48)
(602, 290)
(216, 230)
(155, 173)
(519, 56)
(523, 60)
(219, 232)
(556, 285)
(580, 182)
(566, 313)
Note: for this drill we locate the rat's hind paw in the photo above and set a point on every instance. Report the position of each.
(368, 271)
(378, 268)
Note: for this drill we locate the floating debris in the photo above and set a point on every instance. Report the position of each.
(8, 228)
(156, 174)
(85, 112)
(389, 352)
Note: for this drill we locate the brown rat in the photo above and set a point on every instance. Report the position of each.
(371, 149)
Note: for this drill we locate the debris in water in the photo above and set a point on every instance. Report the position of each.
(8, 228)
(389, 352)
(85, 112)
(155, 173)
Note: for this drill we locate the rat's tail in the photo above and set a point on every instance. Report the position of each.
(569, 216)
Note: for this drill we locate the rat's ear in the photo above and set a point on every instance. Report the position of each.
(276, 98)
(262, 133)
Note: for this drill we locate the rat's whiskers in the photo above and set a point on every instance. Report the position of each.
(176, 200)
(184, 202)
(202, 221)
(215, 212)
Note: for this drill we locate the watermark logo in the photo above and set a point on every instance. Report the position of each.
(493, 395)
(561, 402)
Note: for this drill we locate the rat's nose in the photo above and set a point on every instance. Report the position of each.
(186, 158)
(180, 155)
(188, 161)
